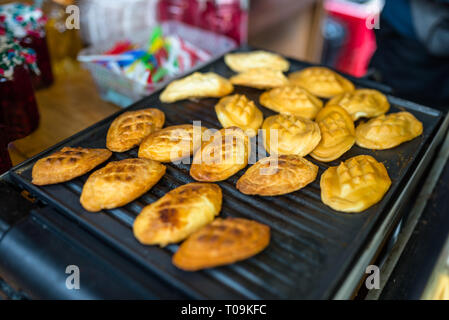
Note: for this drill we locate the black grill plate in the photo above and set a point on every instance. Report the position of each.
(312, 247)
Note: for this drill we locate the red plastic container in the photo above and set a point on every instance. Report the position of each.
(187, 11)
(226, 17)
(18, 107)
(361, 42)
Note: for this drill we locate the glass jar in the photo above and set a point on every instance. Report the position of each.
(39, 45)
(5, 160)
(18, 107)
(64, 44)
(27, 24)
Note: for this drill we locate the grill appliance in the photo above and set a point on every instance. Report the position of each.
(315, 252)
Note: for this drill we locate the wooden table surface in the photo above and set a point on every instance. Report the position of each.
(71, 104)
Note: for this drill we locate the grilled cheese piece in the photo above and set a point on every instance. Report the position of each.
(388, 131)
(237, 110)
(292, 100)
(243, 61)
(285, 134)
(222, 156)
(355, 185)
(67, 164)
(337, 133)
(119, 183)
(321, 81)
(197, 85)
(260, 78)
(222, 242)
(276, 175)
(362, 103)
(130, 128)
(172, 143)
(178, 214)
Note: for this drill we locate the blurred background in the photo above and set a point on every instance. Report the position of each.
(333, 32)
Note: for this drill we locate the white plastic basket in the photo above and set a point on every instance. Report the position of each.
(124, 91)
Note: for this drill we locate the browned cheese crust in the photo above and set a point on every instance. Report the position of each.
(337, 133)
(321, 81)
(237, 110)
(197, 85)
(260, 78)
(178, 214)
(362, 103)
(355, 185)
(222, 242)
(243, 61)
(119, 183)
(222, 156)
(66, 164)
(293, 100)
(130, 128)
(388, 131)
(172, 143)
(274, 176)
(286, 134)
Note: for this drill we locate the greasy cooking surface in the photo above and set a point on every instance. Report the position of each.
(312, 247)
